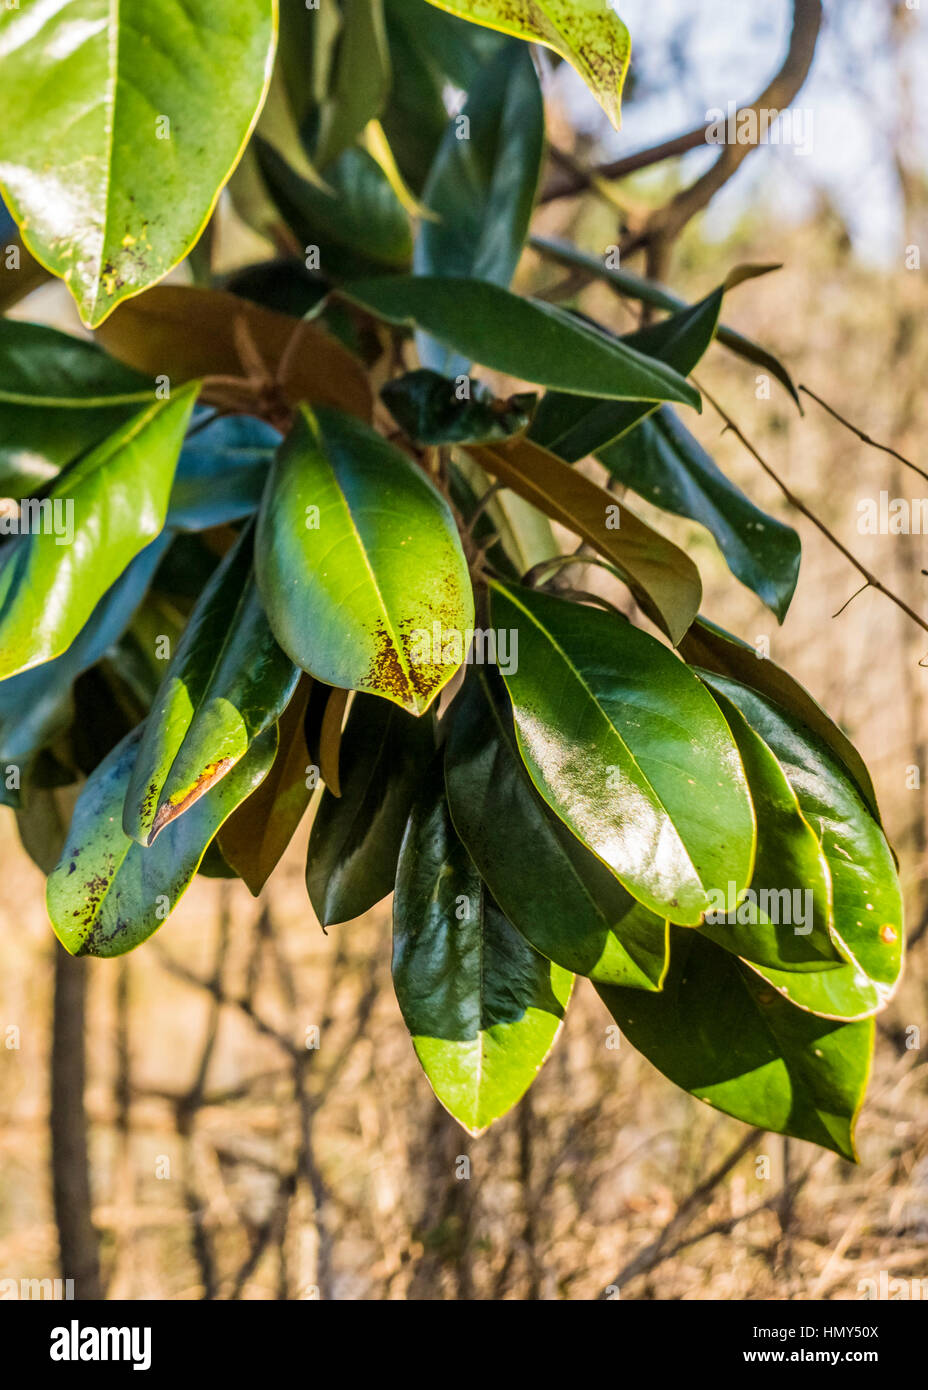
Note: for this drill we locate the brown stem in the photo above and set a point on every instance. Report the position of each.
(864, 438)
(810, 516)
(77, 1236)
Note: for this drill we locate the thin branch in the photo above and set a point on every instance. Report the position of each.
(667, 222)
(800, 506)
(864, 438)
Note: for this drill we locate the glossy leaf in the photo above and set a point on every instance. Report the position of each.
(358, 559)
(359, 79)
(554, 892)
(355, 839)
(590, 36)
(631, 286)
(59, 395)
(482, 1006)
(107, 893)
(357, 223)
(572, 427)
(106, 194)
(227, 682)
(185, 332)
(661, 460)
(37, 705)
(721, 1033)
(255, 836)
(708, 645)
(867, 922)
(663, 579)
(482, 188)
(117, 497)
(429, 408)
(524, 338)
(622, 742)
(221, 472)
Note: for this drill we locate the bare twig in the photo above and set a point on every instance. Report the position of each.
(864, 438)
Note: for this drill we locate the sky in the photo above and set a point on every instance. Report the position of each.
(693, 55)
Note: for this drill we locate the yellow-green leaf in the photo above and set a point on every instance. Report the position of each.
(587, 33)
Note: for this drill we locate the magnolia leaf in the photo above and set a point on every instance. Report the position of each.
(587, 33)
(116, 157)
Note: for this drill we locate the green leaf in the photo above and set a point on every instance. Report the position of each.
(359, 80)
(117, 498)
(227, 682)
(358, 558)
(524, 338)
(663, 579)
(482, 1006)
(255, 836)
(721, 1033)
(867, 921)
(630, 286)
(37, 705)
(358, 225)
(573, 427)
(355, 840)
(221, 473)
(106, 195)
(59, 395)
(662, 462)
(623, 743)
(482, 188)
(554, 892)
(428, 407)
(718, 651)
(107, 893)
(769, 929)
(589, 35)
(429, 49)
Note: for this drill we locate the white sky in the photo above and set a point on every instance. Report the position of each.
(729, 50)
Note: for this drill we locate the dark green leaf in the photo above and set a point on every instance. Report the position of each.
(624, 745)
(359, 79)
(357, 226)
(430, 409)
(221, 473)
(572, 428)
(648, 292)
(524, 338)
(867, 900)
(482, 185)
(710, 646)
(59, 395)
(482, 1006)
(720, 1032)
(563, 900)
(355, 840)
(662, 461)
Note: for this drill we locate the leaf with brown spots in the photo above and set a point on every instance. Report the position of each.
(228, 681)
(359, 564)
(588, 33)
(107, 894)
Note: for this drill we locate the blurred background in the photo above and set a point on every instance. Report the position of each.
(229, 1156)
